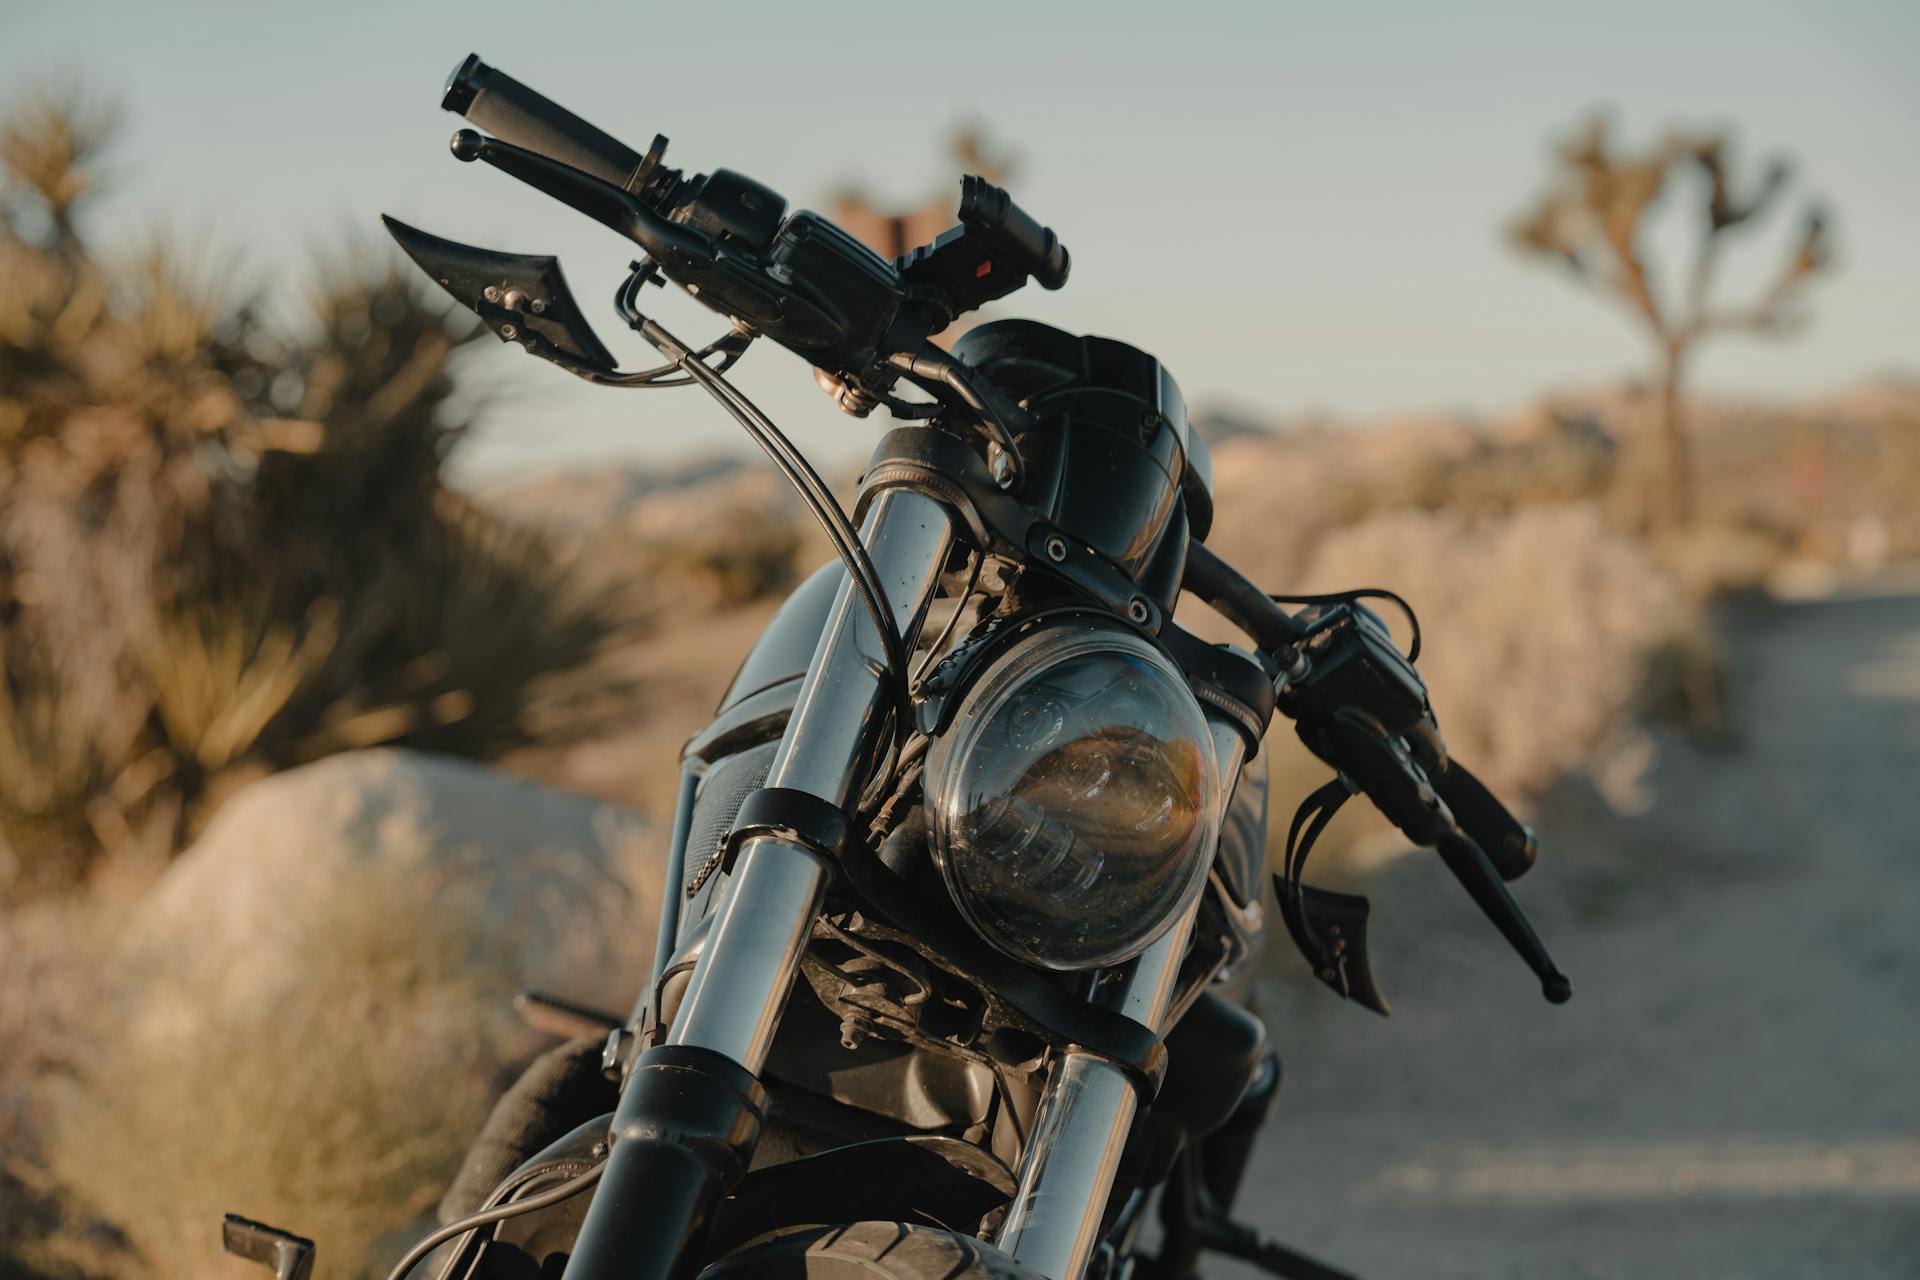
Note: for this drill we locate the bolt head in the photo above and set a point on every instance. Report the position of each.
(1000, 465)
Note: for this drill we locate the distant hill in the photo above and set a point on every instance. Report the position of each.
(586, 499)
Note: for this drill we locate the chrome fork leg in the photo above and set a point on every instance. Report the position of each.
(1067, 1169)
(691, 1110)
(737, 989)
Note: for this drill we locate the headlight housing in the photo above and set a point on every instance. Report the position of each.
(1072, 800)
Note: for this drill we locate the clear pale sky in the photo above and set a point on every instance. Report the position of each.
(1296, 206)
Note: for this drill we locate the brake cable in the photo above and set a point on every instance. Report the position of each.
(932, 365)
(813, 491)
(1314, 813)
(486, 1217)
(1365, 593)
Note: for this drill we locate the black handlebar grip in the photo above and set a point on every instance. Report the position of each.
(1013, 233)
(1507, 842)
(514, 113)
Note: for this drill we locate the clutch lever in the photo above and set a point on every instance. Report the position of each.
(1383, 767)
(1471, 867)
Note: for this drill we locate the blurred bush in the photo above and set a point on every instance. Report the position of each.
(1537, 627)
(227, 547)
(1827, 480)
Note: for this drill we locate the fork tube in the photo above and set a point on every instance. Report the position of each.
(1067, 1169)
(691, 1110)
(738, 987)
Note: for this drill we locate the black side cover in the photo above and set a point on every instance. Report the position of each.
(924, 1178)
(543, 309)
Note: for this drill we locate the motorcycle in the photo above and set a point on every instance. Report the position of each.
(966, 880)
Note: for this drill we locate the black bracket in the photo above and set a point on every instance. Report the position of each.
(1017, 996)
(1234, 685)
(783, 813)
(943, 466)
(786, 813)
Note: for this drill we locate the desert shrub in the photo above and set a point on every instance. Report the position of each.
(1537, 627)
(226, 548)
(1828, 481)
(727, 542)
(1278, 495)
(1689, 683)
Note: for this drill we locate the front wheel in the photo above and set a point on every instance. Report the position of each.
(870, 1250)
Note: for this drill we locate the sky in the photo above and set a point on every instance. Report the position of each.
(1297, 207)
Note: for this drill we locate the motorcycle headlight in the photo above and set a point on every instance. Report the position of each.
(1072, 799)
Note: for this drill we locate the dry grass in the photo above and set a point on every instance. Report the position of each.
(331, 1112)
(313, 1044)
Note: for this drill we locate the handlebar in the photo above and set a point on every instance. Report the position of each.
(1012, 233)
(1509, 845)
(797, 279)
(1360, 705)
(514, 113)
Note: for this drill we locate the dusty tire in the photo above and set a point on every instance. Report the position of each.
(870, 1251)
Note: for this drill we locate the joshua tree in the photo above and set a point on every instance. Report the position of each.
(895, 230)
(1591, 219)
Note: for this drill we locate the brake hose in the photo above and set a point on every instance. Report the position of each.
(565, 1191)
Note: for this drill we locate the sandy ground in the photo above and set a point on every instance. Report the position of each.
(1734, 1090)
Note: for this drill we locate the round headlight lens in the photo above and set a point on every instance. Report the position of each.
(1072, 799)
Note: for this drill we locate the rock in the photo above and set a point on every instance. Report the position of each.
(545, 889)
(312, 1013)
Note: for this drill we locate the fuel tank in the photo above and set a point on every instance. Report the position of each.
(786, 647)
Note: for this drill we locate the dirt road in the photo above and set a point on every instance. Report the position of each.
(1734, 1090)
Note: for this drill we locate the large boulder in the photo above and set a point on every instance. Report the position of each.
(553, 891)
(317, 999)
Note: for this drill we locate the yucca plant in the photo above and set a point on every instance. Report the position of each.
(226, 548)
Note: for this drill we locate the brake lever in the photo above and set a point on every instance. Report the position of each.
(605, 203)
(724, 283)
